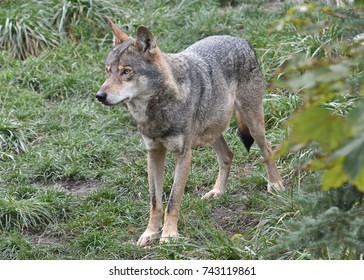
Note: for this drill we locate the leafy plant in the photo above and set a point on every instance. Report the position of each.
(91, 15)
(23, 213)
(13, 136)
(14, 246)
(335, 75)
(23, 36)
(329, 123)
(28, 34)
(331, 227)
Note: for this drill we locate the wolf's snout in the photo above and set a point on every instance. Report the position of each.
(101, 96)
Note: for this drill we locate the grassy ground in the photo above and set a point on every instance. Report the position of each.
(73, 172)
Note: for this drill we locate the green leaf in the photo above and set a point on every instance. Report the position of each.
(282, 150)
(356, 118)
(307, 80)
(359, 181)
(317, 124)
(353, 152)
(334, 177)
(316, 164)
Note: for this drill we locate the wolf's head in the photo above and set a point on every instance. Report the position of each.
(131, 67)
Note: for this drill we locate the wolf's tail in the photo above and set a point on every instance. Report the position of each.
(243, 132)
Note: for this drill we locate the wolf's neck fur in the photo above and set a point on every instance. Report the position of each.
(167, 65)
(170, 87)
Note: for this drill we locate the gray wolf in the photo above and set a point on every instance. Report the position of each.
(185, 100)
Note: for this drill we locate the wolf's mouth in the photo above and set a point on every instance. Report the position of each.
(116, 103)
(124, 101)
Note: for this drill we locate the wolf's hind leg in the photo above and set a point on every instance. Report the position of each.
(254, 120)
(250, 117)
(224, 156)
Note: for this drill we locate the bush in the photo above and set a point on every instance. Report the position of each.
(23, 34)
(330, 72)
(332, 227)
(49, 22)
(22, 214)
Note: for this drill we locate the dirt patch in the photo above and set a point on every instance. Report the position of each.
(238, 169)
(45, 238)
(81, 188)
(243, 169)
(232, 220)
(56, 246)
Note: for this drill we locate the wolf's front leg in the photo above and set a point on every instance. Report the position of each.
(183, 164)
(156, 160)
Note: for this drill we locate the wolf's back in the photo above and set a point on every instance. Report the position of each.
(233, 55)
(232, 61)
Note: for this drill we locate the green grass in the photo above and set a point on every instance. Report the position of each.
(73, 179)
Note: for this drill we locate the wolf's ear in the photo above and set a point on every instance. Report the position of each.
(145, 41)
(119, 36)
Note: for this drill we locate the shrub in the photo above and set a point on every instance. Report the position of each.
(24, 213)
(25, 34)
(336, 76)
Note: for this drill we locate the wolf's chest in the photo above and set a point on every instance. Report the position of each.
(158, 124)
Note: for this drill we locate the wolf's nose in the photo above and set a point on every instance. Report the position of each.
(101, 96)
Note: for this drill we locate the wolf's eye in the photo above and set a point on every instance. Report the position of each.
(125, 71)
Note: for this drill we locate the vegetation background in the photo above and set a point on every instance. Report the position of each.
(73, 180)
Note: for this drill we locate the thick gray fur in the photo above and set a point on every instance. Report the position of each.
(184, 100)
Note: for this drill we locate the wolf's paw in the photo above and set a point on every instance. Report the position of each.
(169, 237)
(213, 194)
(275, 187)
(147, 238)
